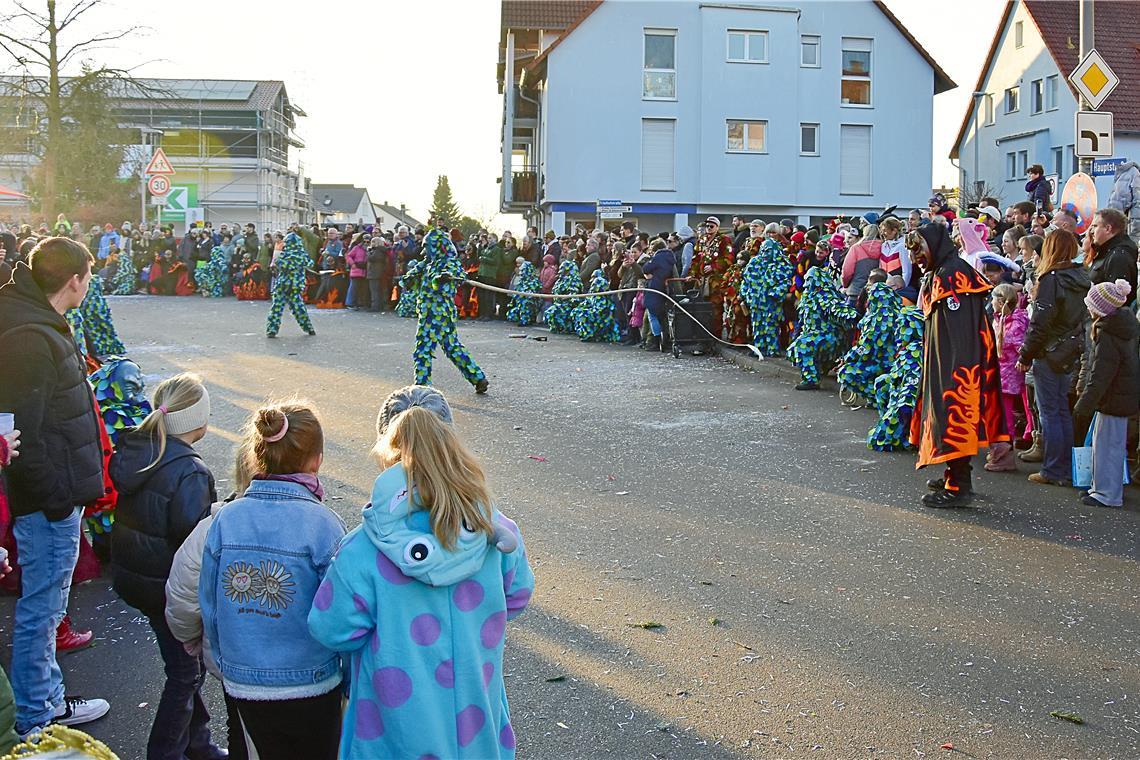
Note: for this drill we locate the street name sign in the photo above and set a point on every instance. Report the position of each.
(1094, 79)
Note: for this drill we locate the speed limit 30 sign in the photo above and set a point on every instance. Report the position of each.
(159, 184)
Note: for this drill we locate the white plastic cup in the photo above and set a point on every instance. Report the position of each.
(7, 422)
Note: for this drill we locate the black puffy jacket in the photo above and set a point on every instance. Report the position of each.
(1056, 329)
(1117, 262)
(43, 381)
(1113, 385)
(156, 511)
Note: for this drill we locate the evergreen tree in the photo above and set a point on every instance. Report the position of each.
(442, 203)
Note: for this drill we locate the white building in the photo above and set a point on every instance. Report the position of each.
(1023, 106)
(683, 109)
(389, 217)
(343, 204)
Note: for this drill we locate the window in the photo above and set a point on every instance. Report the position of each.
(660, 82)
(855, 159)
(1012, 99)
(988, 102)
(809, 139)
(855, 89)
(1051, 93)
(747, 47)
(1074, 162)
(1022, 163)
(1037, 96)
(1019, 34)
(809, 51)
(747, 136)
(1011, 166)
(1059, 162)
(658, 146)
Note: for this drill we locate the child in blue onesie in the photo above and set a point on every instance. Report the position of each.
(419, 595)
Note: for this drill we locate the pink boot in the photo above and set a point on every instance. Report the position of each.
(1001, 458)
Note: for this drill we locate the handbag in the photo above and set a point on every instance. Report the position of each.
(1063, 354)
(1083, 460)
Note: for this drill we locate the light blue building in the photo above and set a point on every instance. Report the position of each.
(683, 109)
(1023, 106)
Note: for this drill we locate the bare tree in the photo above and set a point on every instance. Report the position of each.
(41, 46)
(973, 192)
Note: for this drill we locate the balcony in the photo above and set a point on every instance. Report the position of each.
(524, 188)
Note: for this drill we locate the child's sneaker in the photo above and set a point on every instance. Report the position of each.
(76, 710)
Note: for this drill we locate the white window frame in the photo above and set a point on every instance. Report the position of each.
(1019, 34)
(646, 32)
(870, 161)
(811, 40)
(1022, 164)
(868, 79)
(815, 127)
(1011, 166)
(1052, 92)
(988, 106)
(1016, 92)
(1037, 96)
(748, 36)
(748, 125)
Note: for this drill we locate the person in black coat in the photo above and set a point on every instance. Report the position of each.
(1110, 254)
(658, 268)
(1112, 390)
(165, 490)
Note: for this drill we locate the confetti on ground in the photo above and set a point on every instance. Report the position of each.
(948, 745)
(536, 458)
(563, 725)
(714, 621)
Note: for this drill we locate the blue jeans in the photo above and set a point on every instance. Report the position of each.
(181, 723)
(1056, 420)
(1110, 443)
(48, 551)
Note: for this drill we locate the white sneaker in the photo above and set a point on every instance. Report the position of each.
(75, 711)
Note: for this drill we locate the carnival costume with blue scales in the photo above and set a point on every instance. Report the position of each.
(121, 395)
(211, 278)
(406, 305)
(594, 318)
(824, 316)
(872, 354)
(434, 281)
(895, 393)
(91, 324)
(560, 316)
(125, 282)
(763, 286)
(289, 286)
(523, 310)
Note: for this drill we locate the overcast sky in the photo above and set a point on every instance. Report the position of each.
(399, 91)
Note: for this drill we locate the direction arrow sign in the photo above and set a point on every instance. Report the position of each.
(611, 214)
(158, 184)
(177, 199)
(1094, 80)
(1093, 134)
(159, 164)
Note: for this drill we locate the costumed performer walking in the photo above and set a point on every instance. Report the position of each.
(288, 287)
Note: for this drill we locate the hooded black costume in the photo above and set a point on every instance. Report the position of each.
(959, 409)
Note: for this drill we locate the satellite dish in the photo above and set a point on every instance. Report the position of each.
(328, 200)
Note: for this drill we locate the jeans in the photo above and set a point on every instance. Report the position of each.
(357, 292)
(181, 723)
(1056, 420)
(48, 551)
(1110, 437)
(654, 323)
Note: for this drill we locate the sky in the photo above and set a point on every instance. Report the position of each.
(398, 92)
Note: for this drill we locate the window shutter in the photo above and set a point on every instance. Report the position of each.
(658, 148)
(855, 159)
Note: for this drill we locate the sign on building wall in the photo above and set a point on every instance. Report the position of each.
(180, 198)
(1106, 167)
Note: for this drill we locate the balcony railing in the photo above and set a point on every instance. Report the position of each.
(524, 185)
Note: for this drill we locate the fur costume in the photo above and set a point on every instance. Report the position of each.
(289, 285)
(594, 318)
(560, 316)
(873, 352)
(434, 281)
(896, 392)
(763, 287)
(523, 310)
(824, 316)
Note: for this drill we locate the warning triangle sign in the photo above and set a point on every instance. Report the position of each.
(159, 163)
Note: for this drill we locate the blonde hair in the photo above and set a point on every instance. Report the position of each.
(172, 395)
(1008, 295)
(282, 438)
(448, 478)
(243, 475)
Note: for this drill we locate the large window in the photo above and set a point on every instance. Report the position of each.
(658, 149)
(855, 159)
(809, 51)
(1051, 92)
(1022, 163)
(1037, 96)
(1012, 99)
(856, 86)
(747, 46)
(660, 80)
(747, 136)
(809, 139)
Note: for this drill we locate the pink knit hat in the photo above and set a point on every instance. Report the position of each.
(1105, 298)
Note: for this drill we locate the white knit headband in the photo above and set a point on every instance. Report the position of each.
(191, 418)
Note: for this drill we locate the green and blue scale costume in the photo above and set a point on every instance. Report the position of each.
(896, 392)
(594, 318)
(873, 352)
(824, 317)
(289, 286)
(763, 286)
(523, 310)
(211, 278)
(560, 316)
(91, 324)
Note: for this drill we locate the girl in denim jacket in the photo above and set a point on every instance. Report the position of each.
(264, 557)
(420, 594)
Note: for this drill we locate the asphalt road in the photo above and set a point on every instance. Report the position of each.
(808, 605)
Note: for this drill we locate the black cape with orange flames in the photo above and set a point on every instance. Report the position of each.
(959, 409)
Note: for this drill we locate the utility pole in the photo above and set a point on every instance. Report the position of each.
(1088, 42)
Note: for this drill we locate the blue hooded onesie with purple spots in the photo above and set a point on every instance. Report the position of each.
(424, 629)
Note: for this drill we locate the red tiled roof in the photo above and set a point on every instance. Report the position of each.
(1115, 38)
(542, 14)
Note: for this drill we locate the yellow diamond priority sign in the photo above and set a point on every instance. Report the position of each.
(1094, 80)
